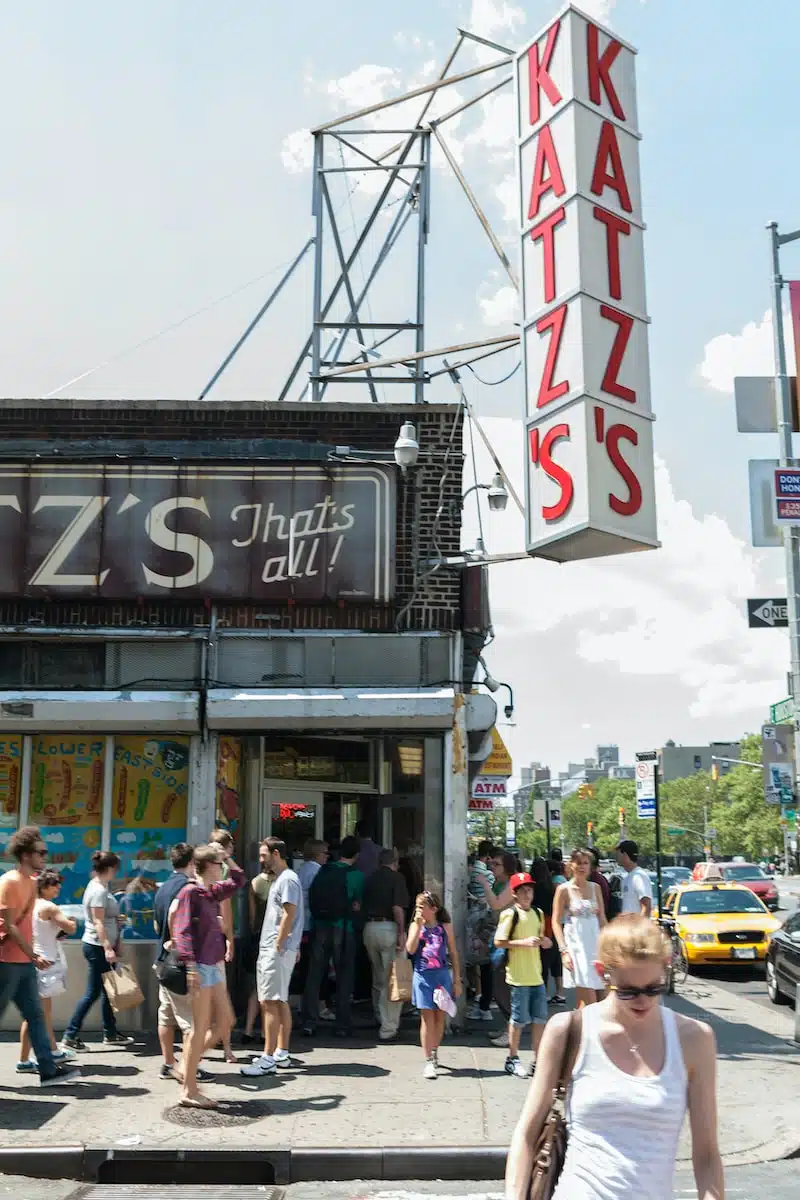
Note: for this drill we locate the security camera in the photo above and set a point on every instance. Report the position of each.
(491, 683)
(509, 711)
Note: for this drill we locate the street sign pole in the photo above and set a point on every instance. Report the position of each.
(547, 823)
(658, 836)
(791, 534)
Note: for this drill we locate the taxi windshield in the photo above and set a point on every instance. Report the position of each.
(744, 871)
(722, 901)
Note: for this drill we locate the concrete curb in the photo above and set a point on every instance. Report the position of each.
(141, 1165)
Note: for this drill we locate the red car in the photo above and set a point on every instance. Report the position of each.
(751, 876)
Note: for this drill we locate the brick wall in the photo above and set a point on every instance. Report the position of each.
(91, 428)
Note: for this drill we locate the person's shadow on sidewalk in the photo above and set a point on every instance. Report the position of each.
(349, 1070)
(36, 1113)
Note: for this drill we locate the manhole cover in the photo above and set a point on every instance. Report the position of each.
(157, 1191)
(229, 1112)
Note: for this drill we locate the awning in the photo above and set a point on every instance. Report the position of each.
(103, 712)
(330, 708)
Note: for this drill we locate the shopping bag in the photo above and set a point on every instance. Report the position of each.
(122, 988)
(400, 975)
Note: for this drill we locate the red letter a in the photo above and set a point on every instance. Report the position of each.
(608, 155)
(547, 175)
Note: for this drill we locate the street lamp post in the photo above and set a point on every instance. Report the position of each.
(791, 533)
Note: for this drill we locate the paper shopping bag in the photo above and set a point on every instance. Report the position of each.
(122, 988)
(400, 976)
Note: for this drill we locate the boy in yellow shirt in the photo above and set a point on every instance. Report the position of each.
(520, 932)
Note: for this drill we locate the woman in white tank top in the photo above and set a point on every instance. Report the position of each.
(638, 1067)
(48, 922)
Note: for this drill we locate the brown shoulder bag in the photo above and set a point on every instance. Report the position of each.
(551, 1145)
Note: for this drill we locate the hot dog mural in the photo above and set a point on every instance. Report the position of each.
(66, 801)
(151, 792)
(229, 770)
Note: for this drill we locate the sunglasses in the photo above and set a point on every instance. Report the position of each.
(633, 993)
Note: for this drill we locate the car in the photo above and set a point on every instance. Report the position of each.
(720, 923)
(783, 962)
(670, 876)
(752, 877)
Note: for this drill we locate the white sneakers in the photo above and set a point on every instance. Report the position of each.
(430, 1070)
(476, 1013)
(263, 1065)
(514, 1066)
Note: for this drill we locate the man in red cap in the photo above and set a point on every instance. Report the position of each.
(520, 933)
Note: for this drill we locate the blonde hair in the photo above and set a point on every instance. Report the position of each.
(204, 856)
(630, 940)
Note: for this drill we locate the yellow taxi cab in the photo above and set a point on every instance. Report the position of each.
(720, 922)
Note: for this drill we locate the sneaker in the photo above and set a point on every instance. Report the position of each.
(430, 1071)
(63, 1055)
(557, 999)
(515, 1067)
(62, 1074)
(325, 1014)
(167, 1072)
(28, 1067)
(478, 1014)
(309, 1031)
(262, 1066)
(283, 1058)
(73, 1043)
(500, 1039)
(119, 1040)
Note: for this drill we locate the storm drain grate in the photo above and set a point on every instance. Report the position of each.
(228, 1112)
(158, 1191)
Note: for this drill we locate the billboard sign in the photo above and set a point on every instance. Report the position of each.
(122, 530)
(589, 449)
(499, 760)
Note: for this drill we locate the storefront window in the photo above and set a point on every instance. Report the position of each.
(319, 760)
(149, 806)
(229, 782)
(10, 780)
(66, 802)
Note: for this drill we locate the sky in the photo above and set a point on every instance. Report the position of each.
(156, 178)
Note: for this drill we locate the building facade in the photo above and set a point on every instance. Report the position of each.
(679, 762)
(232, 615)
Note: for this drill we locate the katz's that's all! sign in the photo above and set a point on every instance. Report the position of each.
(589, 444)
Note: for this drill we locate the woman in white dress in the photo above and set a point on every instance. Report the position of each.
(578, 916)
(633, 1068)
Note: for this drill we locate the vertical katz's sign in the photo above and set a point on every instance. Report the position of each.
(589, 477)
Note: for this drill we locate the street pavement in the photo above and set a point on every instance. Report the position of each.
(766, 1181)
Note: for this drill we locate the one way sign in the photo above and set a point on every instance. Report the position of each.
(763, 614)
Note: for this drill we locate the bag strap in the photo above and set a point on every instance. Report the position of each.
(571, 1047)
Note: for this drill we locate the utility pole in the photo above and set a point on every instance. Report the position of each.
(791, 533)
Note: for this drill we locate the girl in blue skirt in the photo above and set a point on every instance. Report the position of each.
(430, 941)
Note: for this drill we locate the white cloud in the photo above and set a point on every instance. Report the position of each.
(491, 18)
(502, 307)
(600, 10)
(367, 84)
(297, 151)
(125, 838)
(54, 839)
(749, 352)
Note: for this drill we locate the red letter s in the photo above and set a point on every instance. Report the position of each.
(615, 435)
(542, 454)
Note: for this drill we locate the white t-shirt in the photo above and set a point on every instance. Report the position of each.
(636, 886)
(285, 890)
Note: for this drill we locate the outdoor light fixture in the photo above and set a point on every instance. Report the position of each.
(406, 448)
(497, 494)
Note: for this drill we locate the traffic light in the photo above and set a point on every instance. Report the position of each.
(585, 791)
(622, 816)
(589, 828)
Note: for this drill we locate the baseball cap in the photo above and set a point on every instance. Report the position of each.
(522, 879)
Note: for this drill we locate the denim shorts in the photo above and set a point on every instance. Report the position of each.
(209, 976)
(529, 1005)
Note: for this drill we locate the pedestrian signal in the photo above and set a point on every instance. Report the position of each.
(622, 816)
(715, 771)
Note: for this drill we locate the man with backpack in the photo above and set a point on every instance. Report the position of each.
(335, 902)
(520, 935)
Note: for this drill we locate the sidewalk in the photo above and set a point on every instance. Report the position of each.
(360, 1095)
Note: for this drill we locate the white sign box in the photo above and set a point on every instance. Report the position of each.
(489, 786)
(598, 252)
(586, 367)
(586, 348)
(575, 59)
(590, 483)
